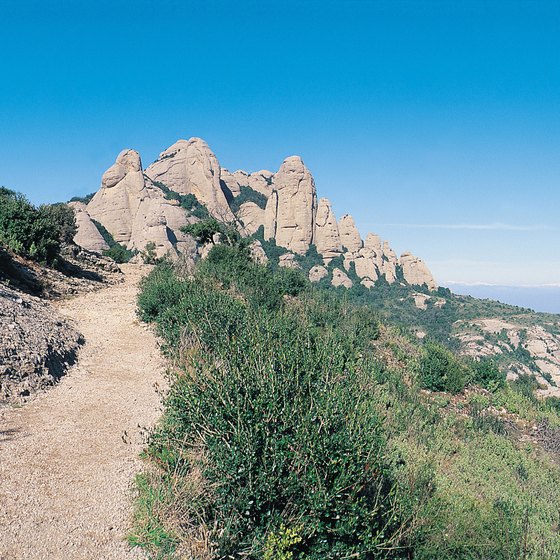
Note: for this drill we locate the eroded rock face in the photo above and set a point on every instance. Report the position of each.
(270, 214)
(317, 273)
(122, 189)
(136, 212)
(416, 272)
(261, 181)
(389, 265)
(296, 207)
(251, 216)
(159, 221)
(190, 167)
(87, 235)
(327, 236)
(349, 234)
(340, 278)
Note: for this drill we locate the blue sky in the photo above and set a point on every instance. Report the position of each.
(435, 123)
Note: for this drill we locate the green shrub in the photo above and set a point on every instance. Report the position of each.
(485, 372)
(440, 370)
(32, 232)
(247, 194)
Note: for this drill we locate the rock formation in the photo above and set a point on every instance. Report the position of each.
(317, 273)
(122, 190)
(416, 272)
(349, 234)
(190, 167)
(134, 209)
(288, 260)
(327, 236)
(251, 216)
(340, 278)
(293, 222)
(87, 234)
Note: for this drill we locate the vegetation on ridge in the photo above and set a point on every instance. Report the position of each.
(297, 427)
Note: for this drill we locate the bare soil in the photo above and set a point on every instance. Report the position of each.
(68, 458)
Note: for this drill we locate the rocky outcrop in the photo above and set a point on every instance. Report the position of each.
(252, 217)
(159, 221)
(317, 273)
(340, 278)
(117, 201)
(389, 264)
(133, 207)
(135, 211)
(349, 234)
(290, 218)
(87, 235)
(416, 272)
(261, 181)
(327, 236)
(190, 167)
(257, 252)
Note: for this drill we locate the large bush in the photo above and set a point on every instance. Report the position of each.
(34, 232)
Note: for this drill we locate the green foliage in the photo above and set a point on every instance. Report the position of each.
(149, 254)
(85, 199)
(288, 434)
(280, 545)
(440, 370)
(34, 232)
(65, 218)
(206, 230)
(486, 373)
(276, 395)
(116, 251)
(247, 194)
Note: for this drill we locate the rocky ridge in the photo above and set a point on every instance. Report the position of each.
(132, 204)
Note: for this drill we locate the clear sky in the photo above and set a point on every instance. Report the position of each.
(436, 123)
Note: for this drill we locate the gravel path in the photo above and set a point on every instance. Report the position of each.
(68, 458)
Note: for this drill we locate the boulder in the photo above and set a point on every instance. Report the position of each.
(327, 237)
(416, 272)
(190, 167)
(340, 278)
(317, 273)
(367, 283)
(87, 235)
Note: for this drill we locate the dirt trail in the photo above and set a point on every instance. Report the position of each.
(68, 459)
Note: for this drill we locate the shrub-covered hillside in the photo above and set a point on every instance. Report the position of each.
(300, 426)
